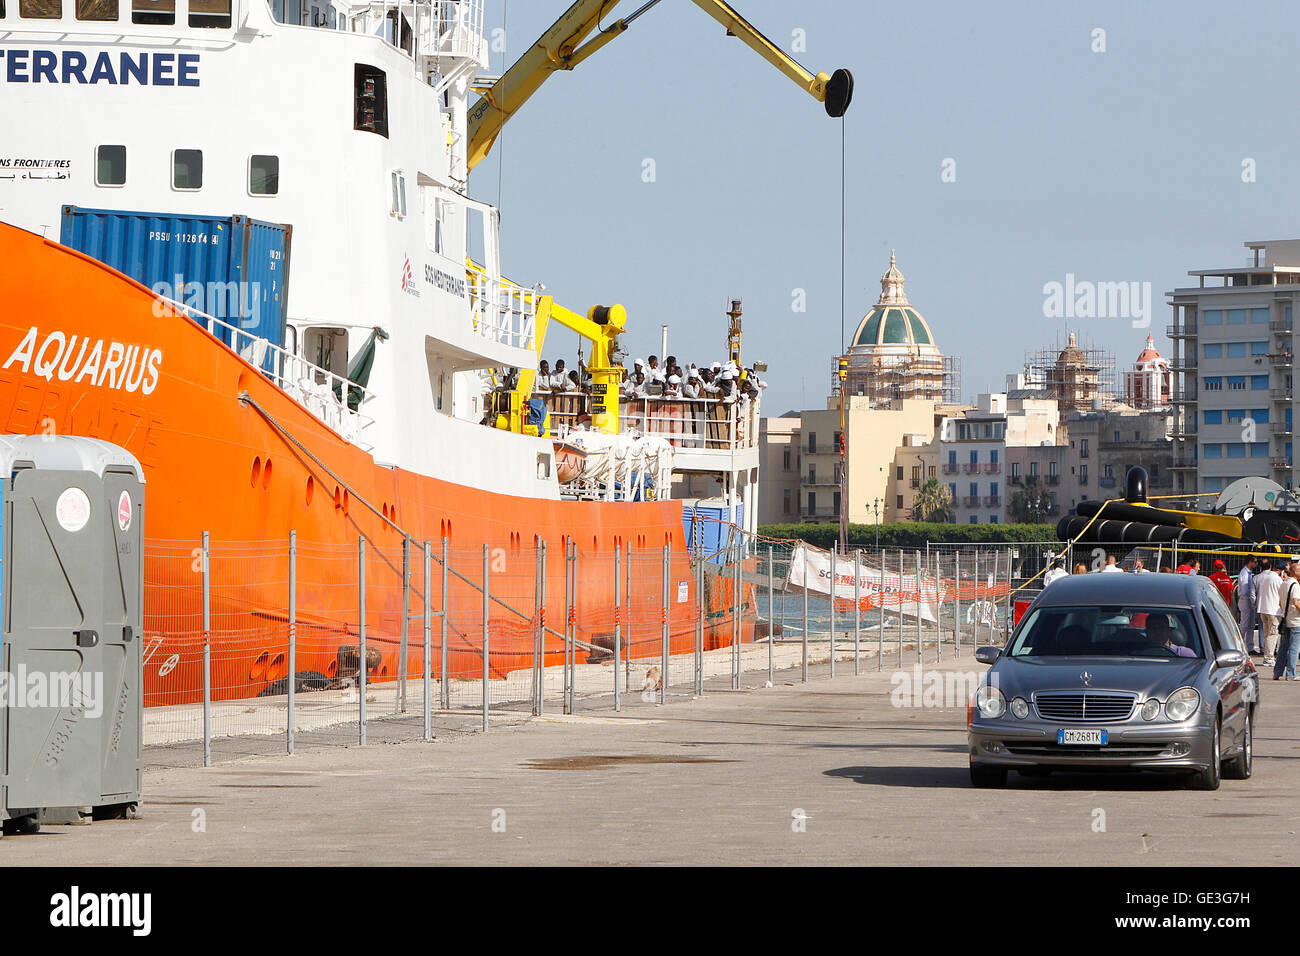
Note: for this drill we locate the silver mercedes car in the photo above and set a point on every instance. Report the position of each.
(1118, 671)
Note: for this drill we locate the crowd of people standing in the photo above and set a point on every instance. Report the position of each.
(725, 381)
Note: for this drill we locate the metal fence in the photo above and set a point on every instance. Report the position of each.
(265, 646)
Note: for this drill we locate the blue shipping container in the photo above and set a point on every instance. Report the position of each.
(233, 268)
(714, 532)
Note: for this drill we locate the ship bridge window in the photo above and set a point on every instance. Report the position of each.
(210, 14)
(371, 100)
(100, 10)
(187, 169)
(110, 165)
(264, 175)
(158, 12)
(40, 9)
(399, 195)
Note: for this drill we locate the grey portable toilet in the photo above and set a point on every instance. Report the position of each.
(71, 606)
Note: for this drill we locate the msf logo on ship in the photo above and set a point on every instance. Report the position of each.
(408, 279)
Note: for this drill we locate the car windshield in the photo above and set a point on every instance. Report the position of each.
(1115, 631)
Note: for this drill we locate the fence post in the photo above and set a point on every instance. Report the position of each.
(428, 643)
(835, 548)
(444, 687)
(956, 602)
(361, 640)
(857, 611)
(399, 704)
(880, 610)
(627, 590)
(486, 611)
(920, 635)
(975, 605)
(539, 655)
(1006, 606)
(700, 600)
(803, 551)
(900, 607)
(735, 617)
(771, 622)
(938, 606)
(618, 631)
(663, 635)
(293, 634)
(207, 655)
(572, 628)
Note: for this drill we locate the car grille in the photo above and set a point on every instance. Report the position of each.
(1116, 752)
(1084, 706)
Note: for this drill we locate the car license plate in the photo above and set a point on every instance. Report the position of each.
(1064, 736)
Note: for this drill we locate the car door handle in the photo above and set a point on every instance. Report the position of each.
(86, 638)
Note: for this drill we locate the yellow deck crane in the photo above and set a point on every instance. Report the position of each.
(562, 48)
(601, 327)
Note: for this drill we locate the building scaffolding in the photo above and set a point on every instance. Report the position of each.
(886, 379)
(1073, 374)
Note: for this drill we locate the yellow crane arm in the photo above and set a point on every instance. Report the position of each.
(558, 49)
(601, 327)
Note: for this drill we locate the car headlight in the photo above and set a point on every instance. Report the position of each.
(1020, 708)
(1151, 709)
(990, 702)
(1182, 703)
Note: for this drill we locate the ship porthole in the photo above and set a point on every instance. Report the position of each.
(266, 474)
(257, 471)
(311, 488)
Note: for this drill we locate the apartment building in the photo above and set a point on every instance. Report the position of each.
(1233, 361)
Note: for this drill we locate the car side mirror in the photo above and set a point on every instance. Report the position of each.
(1229, 659)
(988, 655)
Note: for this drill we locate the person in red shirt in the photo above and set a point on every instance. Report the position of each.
(1223, 581)
(1183, 569)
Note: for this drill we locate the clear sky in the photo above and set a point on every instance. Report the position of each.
(1117, 166)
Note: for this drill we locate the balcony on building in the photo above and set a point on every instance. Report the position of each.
(971, 468)
(1280, 394)
(1282, 326)
(971, 501)
(993, 501)
(993, 468)
(1106, 481)
(951, 468)
(1281, 359)
(1053, 479)
(1181, 331)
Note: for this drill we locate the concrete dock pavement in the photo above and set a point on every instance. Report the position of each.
(827, 772)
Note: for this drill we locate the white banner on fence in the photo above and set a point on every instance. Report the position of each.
(900, 593)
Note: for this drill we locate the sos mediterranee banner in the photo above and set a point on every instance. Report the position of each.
(810, 568)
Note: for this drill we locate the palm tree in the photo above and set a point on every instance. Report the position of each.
(933, 502)
(1030, 504)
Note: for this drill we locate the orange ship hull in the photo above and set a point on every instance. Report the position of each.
(214, 464)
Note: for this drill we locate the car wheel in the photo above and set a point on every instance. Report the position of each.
(987, 776)
(1208, 779)
(1241, 766)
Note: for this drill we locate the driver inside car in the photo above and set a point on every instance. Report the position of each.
(1159, 632)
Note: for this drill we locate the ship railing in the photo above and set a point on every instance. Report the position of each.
(705, 423)
(428, 29)
(506, 314)
(332, 398)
